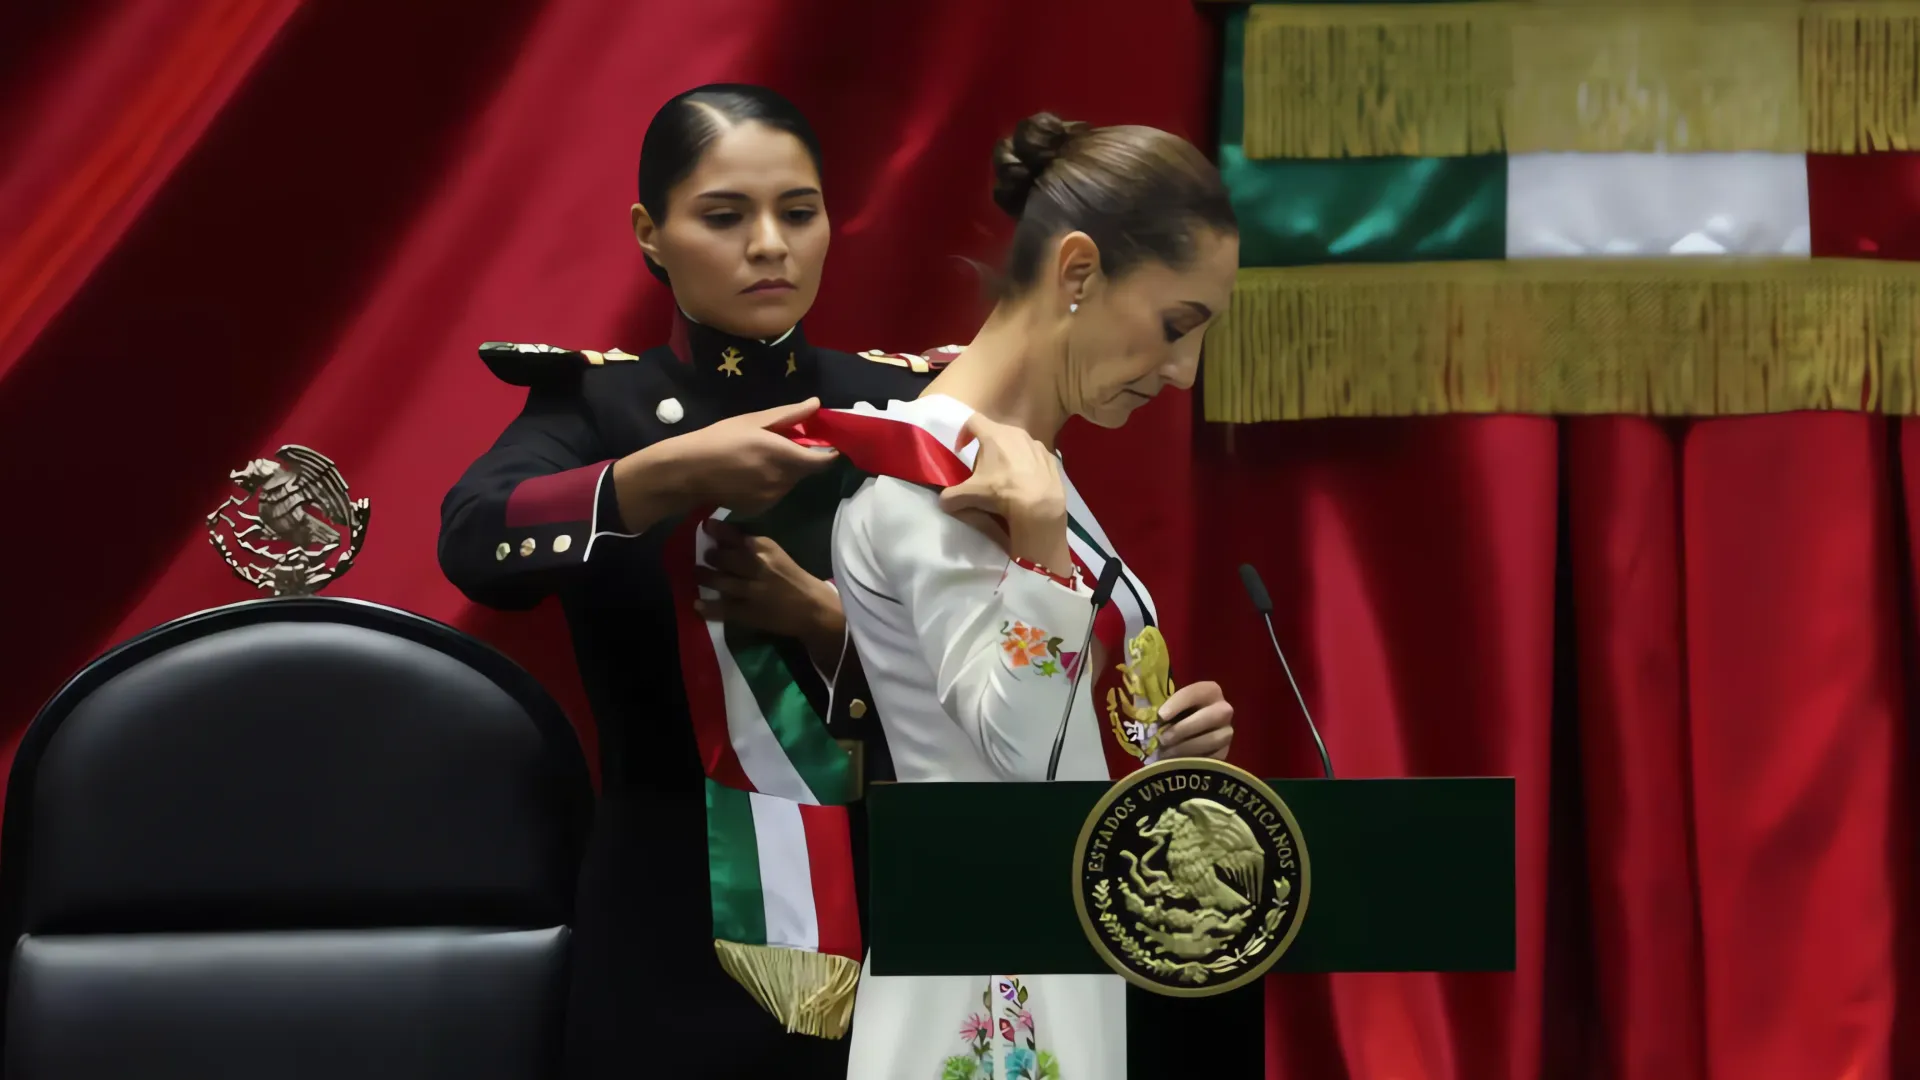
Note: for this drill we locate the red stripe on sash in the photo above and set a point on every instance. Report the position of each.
(699, 668)
(830, 859)
(882, 447)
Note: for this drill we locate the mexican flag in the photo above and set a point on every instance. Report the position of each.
(780, 857)
(1573, 207)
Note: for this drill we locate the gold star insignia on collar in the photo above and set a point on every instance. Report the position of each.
(791, 366)
(730, 361)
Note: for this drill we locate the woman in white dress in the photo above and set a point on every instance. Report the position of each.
(967, 604)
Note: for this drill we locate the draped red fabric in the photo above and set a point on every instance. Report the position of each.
(1412, 563)
(229, 224)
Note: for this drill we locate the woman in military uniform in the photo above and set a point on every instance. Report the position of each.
(576, 499)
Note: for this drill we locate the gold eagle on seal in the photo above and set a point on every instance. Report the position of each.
(1202, 840)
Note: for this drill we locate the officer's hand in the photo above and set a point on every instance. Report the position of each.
(737, 463)
(761, 588)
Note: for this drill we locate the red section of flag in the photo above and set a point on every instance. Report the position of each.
(1864, 206)
(699, 668)
(830, 857)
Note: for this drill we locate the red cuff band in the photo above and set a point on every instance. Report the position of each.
(1067, 580)
(559, 499)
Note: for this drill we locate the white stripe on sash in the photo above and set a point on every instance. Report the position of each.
(761, 756)
(786, 874)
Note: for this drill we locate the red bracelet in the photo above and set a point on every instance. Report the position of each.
(1071, 581)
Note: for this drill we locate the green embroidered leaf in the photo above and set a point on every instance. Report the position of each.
(958, 1067)
(1049, 1066)
(1047, 667)
(1022, 996)
(1053, 645)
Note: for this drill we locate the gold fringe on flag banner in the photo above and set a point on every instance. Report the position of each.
(1682, 76)
(810, 992)
(1681, 336)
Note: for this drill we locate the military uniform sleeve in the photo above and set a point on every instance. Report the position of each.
(531, 512)
(990, 631)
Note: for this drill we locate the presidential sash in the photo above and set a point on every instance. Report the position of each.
(785, 913)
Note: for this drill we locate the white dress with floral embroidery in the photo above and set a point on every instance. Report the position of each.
(955, 644)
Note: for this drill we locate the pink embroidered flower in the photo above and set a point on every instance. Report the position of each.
(1006, 1030)
(1026, 1019)
(976, 1027)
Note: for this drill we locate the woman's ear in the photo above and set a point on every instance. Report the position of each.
(646, 232)
(1077, 260)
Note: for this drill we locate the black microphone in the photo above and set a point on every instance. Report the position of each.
(1102, 592)
(1257, 592)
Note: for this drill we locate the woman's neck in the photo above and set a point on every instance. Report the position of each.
(1004, 374)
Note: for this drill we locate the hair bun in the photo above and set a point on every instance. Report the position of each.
(1022, 158)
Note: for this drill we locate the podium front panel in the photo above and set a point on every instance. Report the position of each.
(1406, 875)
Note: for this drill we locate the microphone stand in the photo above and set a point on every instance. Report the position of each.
(1102, 592)
(1263, 603)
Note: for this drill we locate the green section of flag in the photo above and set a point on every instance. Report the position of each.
(1355, 210)
(826, 768)
(733, 859)
(802, 524)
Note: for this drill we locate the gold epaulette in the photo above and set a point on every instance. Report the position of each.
(920, 364)
(526, 365)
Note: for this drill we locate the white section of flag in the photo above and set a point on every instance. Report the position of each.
(761, 756)
(1650, 205)
(786, 874)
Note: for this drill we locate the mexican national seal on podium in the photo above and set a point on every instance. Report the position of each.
(1190, 877)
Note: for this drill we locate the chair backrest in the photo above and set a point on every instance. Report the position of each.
(292, 838)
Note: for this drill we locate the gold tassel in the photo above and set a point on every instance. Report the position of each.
(1592, 76)
(1681, 336)
(810, 992)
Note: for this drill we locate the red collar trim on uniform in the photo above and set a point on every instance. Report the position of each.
(681, 339)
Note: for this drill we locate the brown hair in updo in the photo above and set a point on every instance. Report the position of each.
(1138, 192)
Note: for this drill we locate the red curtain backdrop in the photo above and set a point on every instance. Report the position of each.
(230, 224)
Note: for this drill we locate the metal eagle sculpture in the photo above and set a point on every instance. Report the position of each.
(307, 530)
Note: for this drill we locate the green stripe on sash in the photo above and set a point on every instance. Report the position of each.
(820, 761)
(733, 857)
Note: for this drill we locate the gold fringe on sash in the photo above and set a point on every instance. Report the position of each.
(810, 992)
(1678, 336)
(1444, 80)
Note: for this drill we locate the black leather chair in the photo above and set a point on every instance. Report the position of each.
(292, 838)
